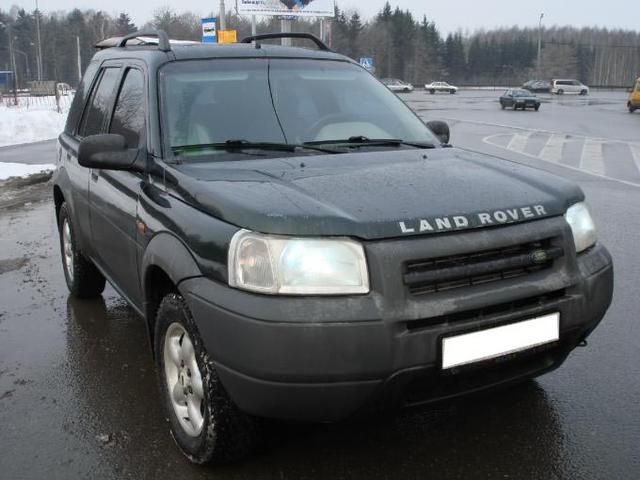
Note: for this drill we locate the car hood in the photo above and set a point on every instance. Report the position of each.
(372, 195)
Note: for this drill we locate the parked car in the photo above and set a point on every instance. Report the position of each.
(633, 103)
(537, 86)
(396, 85)
(519, 98)
(563, 86)
(434, 87)
(301, 246)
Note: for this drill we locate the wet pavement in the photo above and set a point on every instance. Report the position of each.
(78, 397)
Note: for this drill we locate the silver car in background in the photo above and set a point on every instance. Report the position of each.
(398, 86)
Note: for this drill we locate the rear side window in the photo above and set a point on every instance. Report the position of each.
(100, 101)
(129, 113)
(80, 99)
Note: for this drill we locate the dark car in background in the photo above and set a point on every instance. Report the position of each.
(537, 86)
(519, 98)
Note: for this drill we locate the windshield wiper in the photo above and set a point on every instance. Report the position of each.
(238, 145)
(360, 141)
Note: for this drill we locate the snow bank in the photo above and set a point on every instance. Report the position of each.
(8, 170)
(26, 125)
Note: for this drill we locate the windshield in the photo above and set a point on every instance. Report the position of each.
(209, 102)
(521, 93)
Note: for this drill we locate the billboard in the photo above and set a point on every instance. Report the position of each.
(288, 8)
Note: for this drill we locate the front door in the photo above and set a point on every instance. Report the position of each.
(113, 195)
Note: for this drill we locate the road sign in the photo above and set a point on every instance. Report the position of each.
(367, 62)
(297, 8)
(209, 30)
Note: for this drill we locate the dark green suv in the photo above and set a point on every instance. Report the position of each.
(302, 246)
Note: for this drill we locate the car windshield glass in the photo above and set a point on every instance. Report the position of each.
(207, 102)
(522, 93)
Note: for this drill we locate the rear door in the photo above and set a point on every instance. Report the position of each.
(90, 121)
(113, 195)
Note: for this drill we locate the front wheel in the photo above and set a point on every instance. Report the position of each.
(432, 92)
(503, 106)
(452, 92)
(204, 422)
(560, 92)
(83, 279)
(631, 108)
(537, 107)
(583, 92)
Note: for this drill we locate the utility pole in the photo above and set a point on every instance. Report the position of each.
(222, 21)
(539, 65)
(254, 25)
(12, 59)
(79, 60)
(285, 27)
(39, 59)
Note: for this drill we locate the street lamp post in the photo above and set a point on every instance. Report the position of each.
(39, 59)
(539, 64)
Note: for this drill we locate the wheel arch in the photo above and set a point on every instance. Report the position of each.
(166, 262)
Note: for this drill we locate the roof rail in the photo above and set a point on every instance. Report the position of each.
(270, 36)
(161, 35)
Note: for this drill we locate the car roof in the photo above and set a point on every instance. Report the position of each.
(149, 53)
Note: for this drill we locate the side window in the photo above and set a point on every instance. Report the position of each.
(97, 109)
(129, 114)
(80, 99)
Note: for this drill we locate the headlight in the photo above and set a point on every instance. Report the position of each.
(582, 226)
(297, 266)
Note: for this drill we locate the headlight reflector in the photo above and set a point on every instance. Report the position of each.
(297, 266)
(584, 230)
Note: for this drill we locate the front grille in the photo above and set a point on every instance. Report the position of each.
(547, 300)
(458, 271)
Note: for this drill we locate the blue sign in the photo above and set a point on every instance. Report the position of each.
(367, 62)
(209, 30)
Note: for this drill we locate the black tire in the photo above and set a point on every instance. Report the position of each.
(583, 92)
(560, 92)
(452, 92)
(631, 108)
(228, 435)
(537, 107)
(83, 279)
(503, 106)
(432, 92)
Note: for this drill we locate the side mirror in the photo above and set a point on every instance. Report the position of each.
(440, 130)
(106, 151)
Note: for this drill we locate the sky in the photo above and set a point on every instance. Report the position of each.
(449, 15)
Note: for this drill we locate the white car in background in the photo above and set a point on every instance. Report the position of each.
(434, 87)
(562, 86)
(397, 86)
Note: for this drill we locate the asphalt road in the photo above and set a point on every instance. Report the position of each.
(32, 153)
(77, 389)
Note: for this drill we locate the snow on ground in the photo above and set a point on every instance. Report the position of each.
(33, 120)
(8, 170)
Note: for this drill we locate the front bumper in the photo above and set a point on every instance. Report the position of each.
(324, 359)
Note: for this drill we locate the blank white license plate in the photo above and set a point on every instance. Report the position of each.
(500, 341)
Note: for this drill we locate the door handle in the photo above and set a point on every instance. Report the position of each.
(94, 175)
